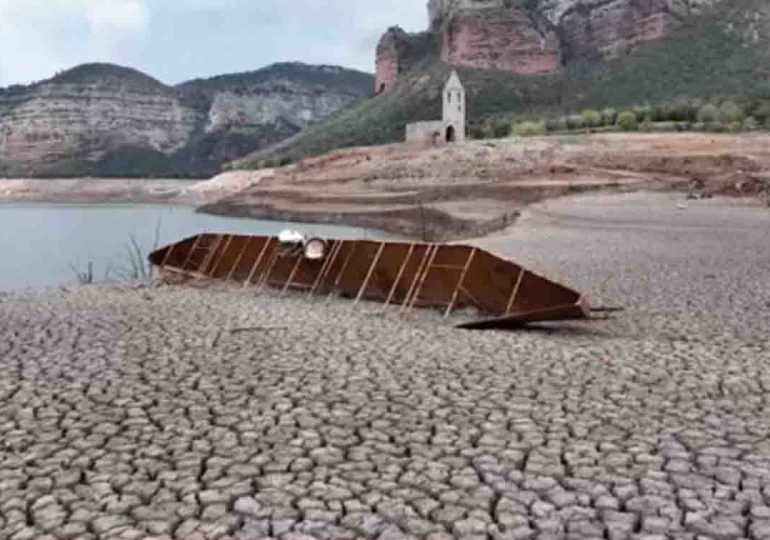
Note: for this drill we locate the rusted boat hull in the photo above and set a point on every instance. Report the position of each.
(409, 275)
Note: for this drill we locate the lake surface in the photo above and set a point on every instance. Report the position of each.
(45, 245)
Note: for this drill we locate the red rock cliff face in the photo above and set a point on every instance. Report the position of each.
(388, 61)
(511, 40)
(398, 52)
(610, 28)
(489, 34)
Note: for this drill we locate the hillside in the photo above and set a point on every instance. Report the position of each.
(107, 120)
(720, 49)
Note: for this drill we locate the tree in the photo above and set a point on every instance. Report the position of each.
(609, 116)
(708, 114)
(627, 121)
(730, 112)
(591, 118)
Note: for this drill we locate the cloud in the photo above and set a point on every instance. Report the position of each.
(175, 40)
(117, 18)
(39, 37)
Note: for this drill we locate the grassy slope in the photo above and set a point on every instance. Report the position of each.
(720, 52)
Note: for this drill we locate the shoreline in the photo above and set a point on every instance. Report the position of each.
(189, 192)
(444, 193)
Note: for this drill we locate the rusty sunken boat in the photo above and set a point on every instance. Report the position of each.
(410, 275)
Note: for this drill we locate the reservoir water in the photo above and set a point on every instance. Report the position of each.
(43, 245)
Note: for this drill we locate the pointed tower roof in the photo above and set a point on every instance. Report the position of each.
(454, 82)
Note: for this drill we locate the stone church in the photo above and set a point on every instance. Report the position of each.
(451, 128)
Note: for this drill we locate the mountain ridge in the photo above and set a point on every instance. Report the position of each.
(101, 119)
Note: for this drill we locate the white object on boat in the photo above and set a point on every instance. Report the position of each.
(315, 249)
(290, 236)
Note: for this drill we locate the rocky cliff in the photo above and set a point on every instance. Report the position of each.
(108, 120)
(538, 36)
(505, 39)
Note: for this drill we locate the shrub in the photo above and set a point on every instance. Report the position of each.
(627, 121)
(675, 111)
(642, 111)
(750, 124)
(660, 113)
(530, 129)
(476, 131)
(717, 127)
(761, 111)
(500, 129)
(575, 122)
(556, 124)
(591, 118)
(730, 112)
(708, 114)
(609, 115)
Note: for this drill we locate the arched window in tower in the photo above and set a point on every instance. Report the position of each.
(449, 97)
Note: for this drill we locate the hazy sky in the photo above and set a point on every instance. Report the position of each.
(175, 40)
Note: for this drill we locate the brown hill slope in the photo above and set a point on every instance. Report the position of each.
(468, 189)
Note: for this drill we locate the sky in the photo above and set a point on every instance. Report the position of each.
(177, 40)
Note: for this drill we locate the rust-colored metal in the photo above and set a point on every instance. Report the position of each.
(499, 293)
(460, 282)
(370, 273)
(256, 267)
(329, 261)
(400, 274)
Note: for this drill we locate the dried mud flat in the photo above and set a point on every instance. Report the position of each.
(184, 413)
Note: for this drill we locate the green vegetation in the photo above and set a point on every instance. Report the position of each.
(108, 75)
(609, 116)
(199, 93)
(591, 118)
(530, 129)
(708, 114)
(627, 121)
(730, 113)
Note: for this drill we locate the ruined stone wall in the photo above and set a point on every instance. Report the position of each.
(425, 132)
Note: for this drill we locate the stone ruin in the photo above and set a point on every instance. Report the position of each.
(451, 128)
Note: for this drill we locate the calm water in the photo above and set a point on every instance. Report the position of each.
(41, 243)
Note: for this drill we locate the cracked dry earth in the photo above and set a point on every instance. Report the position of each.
(208, 414)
